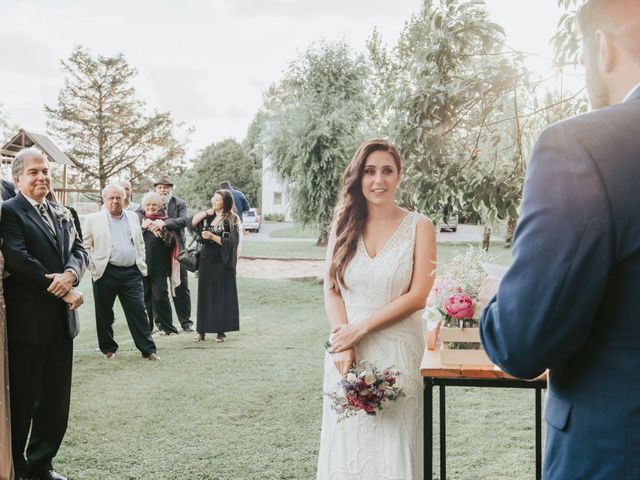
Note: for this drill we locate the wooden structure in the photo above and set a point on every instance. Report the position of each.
(26, 139)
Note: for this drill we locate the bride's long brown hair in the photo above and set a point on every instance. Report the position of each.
(351, 212)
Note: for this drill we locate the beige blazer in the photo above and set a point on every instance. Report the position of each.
(97, 241)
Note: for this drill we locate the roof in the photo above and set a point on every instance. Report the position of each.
(25, 139)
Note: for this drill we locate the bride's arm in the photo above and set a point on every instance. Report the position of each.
(334, 307)
(424, 261)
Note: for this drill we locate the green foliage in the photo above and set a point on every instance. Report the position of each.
(225, 160)
(566, 40)
(315, 119)
(105, 128)
(274, 217)
(454, 105)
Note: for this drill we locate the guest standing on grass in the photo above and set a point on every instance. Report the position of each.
(114, 241)
(218, 233)
(46, 260)
(178, 218)
(161, 248)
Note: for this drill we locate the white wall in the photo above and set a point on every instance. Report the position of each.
(270, 187)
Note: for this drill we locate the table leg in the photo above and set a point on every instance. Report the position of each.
(443, 435)
(538, 433)
(428, 429)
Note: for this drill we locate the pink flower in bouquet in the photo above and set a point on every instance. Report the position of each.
(459, 306)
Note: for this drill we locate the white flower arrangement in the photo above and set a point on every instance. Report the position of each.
(63, 213)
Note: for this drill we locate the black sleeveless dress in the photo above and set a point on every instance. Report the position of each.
(217, 292)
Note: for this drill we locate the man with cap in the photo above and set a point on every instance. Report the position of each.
(177, 211)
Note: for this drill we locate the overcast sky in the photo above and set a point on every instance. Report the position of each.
(207, 61)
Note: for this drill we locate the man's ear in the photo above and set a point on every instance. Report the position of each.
(606, 51)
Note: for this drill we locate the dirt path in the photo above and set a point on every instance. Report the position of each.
(280, 269)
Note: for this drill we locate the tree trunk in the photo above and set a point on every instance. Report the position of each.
(486, 238)
(511, 228)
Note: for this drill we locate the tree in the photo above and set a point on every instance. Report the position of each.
(7, 129)
(457, 104)
(225, 160)
(105, 128)
(315, 119)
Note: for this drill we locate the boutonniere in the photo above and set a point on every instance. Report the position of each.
(63, 213)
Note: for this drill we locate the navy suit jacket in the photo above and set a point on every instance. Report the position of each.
(570, 302)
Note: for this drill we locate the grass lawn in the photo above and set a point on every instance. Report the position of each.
(250, 408)
(297, 231)
(285, 249)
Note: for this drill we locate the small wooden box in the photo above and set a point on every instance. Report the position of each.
(461, 356)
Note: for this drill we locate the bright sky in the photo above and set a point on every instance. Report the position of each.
(208, 61)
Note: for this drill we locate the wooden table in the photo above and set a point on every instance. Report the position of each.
(435, 373)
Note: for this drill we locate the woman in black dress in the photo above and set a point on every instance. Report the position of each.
(218, 233)
(161, 256)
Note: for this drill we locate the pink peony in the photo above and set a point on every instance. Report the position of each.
(459, 306)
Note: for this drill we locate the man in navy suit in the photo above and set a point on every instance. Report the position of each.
(46, 259)
(570, 302)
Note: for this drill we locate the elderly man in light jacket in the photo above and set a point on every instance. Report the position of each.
(113, 239)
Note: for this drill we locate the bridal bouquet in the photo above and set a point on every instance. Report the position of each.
(365, 388)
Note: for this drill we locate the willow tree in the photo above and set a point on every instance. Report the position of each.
(314, 120)
(457, 104)
(105, 129)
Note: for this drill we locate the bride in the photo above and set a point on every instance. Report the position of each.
(381, 264)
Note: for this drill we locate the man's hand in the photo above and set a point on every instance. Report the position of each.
(62, 283)
(74, 299)
(159, 223)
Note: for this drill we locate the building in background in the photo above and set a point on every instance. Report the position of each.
(275, 200)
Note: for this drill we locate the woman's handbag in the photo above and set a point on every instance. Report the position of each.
(190, 256)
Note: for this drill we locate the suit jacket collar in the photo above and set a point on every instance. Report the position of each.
(35, 217)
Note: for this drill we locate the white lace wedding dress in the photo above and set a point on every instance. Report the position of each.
(387, 446)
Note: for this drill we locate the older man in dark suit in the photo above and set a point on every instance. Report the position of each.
(569, 303)
(46, 260)
(178, 213)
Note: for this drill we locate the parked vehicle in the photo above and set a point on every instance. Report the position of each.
(450, 223)
(251, 220)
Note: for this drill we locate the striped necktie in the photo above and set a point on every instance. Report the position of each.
(43, 213)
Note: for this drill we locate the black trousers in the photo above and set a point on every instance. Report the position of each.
(40, 379)
(126, 284)
(156, 297)
(182, 300)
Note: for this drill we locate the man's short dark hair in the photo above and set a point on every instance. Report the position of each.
(226, 185)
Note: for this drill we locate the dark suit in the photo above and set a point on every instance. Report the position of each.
(39, 330)
(571, 300)
(8, 190)
(178, 214)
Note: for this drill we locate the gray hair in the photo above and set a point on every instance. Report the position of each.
(113, 186)
(151, 197)
(17, 167)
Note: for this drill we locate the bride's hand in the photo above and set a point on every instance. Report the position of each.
(344, 361)
(346, 336)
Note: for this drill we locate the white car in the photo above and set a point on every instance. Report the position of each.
(251, 220)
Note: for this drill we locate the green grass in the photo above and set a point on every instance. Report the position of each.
(250, 408)
(297, 231)
(284, 249)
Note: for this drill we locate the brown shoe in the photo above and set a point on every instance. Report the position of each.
(153, 357)
(220, 338)
(198, 338)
